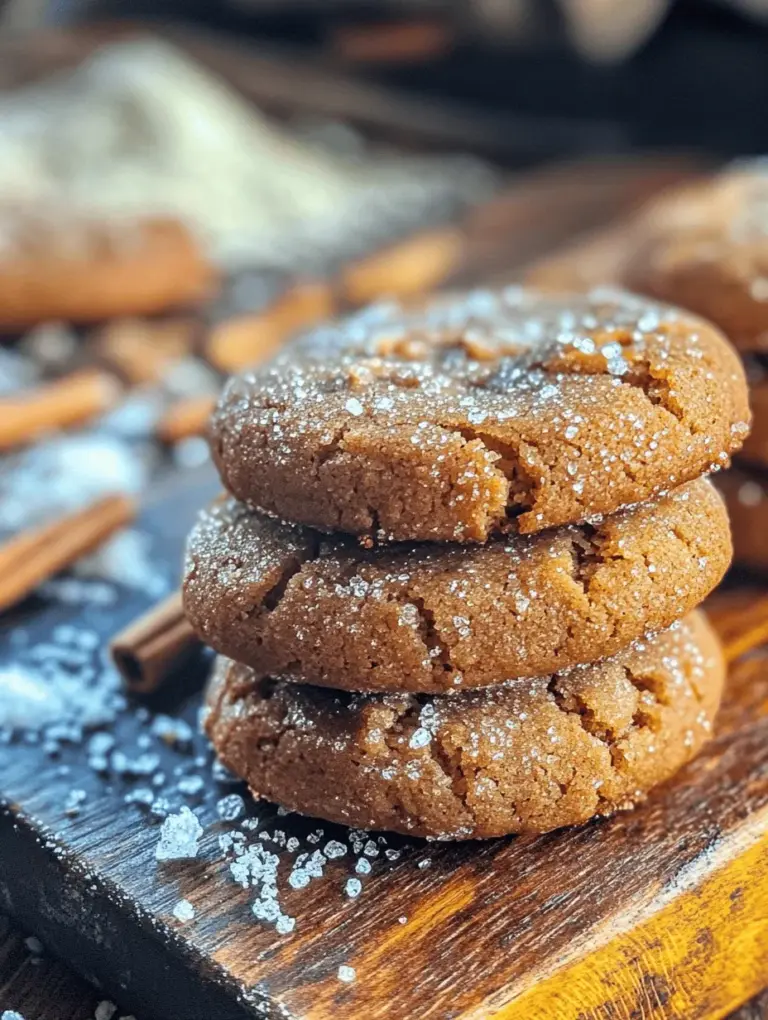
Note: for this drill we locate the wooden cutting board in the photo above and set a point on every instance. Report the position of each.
(660, 912)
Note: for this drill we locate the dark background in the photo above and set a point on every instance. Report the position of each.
(700, 81)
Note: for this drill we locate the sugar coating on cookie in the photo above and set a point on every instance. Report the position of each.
(292, 602)
(706, 249)
(481, 413)
(529, 756)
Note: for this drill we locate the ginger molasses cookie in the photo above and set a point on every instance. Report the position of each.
(755, 449)
(482, 413)
(318, 609)
(593, 261)
(707, 250)
(526, 757)
(746, 496)
(59, 266)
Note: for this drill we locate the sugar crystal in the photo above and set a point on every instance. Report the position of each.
(179, 837)
(183, 911)
(230, 808)
(333, 849)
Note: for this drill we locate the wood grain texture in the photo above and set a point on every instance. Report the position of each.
(44, 988)
(663, 906)
(41, 987)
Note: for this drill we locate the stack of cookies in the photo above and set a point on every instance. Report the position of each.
(454, 583)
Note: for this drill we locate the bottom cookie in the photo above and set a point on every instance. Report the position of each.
(529, 756)
(746, 496)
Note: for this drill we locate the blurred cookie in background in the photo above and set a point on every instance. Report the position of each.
(706, 249)
(746, 496)
(755, 449)
(56, 265)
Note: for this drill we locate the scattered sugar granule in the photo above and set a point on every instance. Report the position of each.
(183, 911)
(161, 807)
(402, 919)
(347, 974)
(285, 924)
(298, 878)
(174, 732)
(179, 837)
(142, 796)
(10, 1014)
(333, 849)
(34, 945)
(363, 866)
(353, 888)
(73, 803)
(426, 862)
(190, 786)
(230, 808)
(105, 1010)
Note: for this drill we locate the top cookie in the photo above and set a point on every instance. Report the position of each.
(481, 413)
(706, 248)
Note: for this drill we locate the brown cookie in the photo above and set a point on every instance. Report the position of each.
(489, 412)
(755, 449)
(707, 250)
(526, 757)
(602, 257)
(593, 261)
(294, 603)
(746, 496)
(59, 267)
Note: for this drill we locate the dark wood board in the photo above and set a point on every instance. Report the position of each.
(666, 906)
(44, 988)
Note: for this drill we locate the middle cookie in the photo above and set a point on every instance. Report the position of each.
(289, 601)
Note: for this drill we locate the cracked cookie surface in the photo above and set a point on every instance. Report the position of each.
(530, 756)
(483, 413)
(292, 602)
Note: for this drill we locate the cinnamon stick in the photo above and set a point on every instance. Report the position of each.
(69, 401)
(148, 650)
(185, 418)
(34, 556)
(393, 42)
(141, 350)
(250, 339)
(411, 267)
